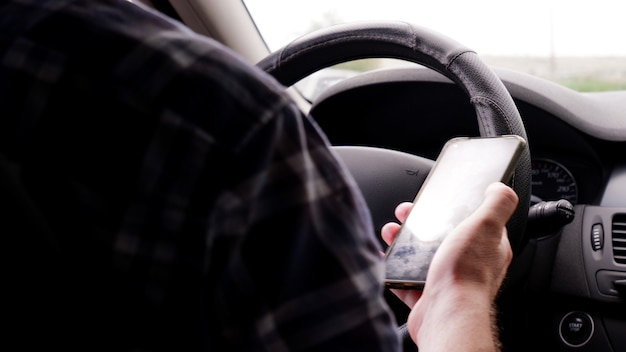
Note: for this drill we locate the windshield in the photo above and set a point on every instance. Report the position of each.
(575, 43)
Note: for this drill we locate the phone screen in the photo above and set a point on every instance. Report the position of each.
(453, 189)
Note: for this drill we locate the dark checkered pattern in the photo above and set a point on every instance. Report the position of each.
(196, 203)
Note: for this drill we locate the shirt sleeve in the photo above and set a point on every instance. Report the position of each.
(303, 256)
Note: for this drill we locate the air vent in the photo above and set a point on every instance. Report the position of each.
(619, 238)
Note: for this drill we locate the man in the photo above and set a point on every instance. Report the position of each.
(197, 209)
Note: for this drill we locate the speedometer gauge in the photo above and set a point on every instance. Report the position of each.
(552, 181)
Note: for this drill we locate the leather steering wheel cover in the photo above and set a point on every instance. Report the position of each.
(495, 109)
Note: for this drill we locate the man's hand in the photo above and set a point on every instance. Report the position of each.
(455, 309)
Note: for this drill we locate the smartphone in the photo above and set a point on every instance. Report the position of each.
(453, 189)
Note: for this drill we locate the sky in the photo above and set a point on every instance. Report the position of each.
(490, 27)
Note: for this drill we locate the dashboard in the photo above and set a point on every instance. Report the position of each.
(577, 143)
(417, 110)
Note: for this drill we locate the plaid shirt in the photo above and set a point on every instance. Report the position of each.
(175, 173)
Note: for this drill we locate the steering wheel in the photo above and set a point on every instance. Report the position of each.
(496, 112)
(374, 169)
